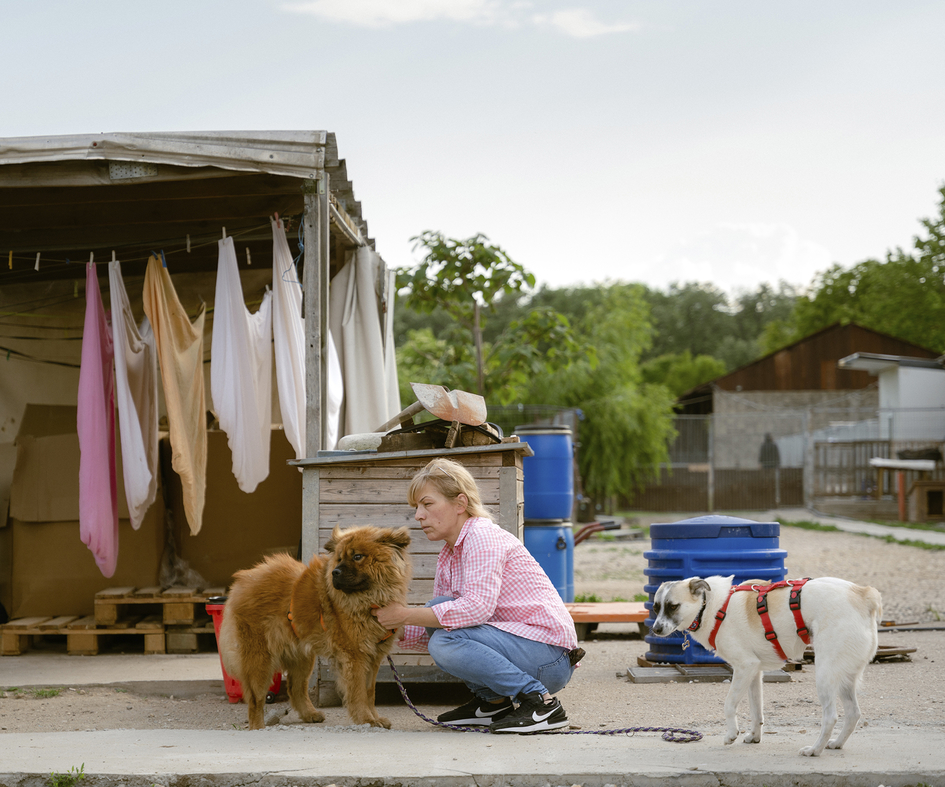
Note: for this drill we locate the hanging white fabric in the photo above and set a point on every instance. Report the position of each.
(136, 393)
(356, 325)
(288, 334)
(241, 371)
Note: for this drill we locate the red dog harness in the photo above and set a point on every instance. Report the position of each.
(762, 607)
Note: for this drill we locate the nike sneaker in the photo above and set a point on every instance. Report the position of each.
(476, 712)
(532, 715)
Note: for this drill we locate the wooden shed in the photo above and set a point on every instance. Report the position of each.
(66, 201)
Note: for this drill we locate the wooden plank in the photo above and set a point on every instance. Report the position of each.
(57, 623)
(113, 593)
(366, 514)
(25, 623)
(148, 593)
(377, 491)
(608, 612)
(179, 593)
(150, 622)
(87, 622)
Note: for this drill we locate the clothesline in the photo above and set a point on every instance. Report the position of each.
(56, 263)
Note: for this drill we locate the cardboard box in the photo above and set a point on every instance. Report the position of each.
(238, 529)
(49, 570)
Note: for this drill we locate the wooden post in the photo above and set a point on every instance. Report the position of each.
(315, 299)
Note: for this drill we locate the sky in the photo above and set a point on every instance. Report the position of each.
(733, 143)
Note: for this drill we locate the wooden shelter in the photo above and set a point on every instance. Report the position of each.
(69, 200)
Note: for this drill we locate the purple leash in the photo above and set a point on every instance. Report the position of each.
(671, 734)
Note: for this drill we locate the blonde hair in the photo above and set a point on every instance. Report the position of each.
(451, 480)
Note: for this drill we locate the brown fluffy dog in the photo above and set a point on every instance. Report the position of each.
(281, 614)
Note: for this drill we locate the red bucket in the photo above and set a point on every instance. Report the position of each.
(234, 692)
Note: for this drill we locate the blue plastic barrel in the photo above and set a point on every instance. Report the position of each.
(552, 545)
(549, 474)
(703, 547)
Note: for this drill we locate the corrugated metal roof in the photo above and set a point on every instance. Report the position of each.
(294, 153)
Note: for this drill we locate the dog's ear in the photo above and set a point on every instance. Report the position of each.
(696, 584)
(332, 542)
(398, 538)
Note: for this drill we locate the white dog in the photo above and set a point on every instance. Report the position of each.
(839, 618)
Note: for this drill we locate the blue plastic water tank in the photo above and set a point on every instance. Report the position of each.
(703, 547)
(552, 545)
(549, 474)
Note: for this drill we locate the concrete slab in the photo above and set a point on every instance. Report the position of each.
(321, 756)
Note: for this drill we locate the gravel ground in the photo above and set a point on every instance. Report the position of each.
(904, 693)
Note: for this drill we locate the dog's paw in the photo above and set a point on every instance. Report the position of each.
(752, 737)
(381, 722)
(729, 739)
(808, 751)
(312, 717)
(834, 744)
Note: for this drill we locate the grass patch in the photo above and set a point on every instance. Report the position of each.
(42, 694)
(69, 779)
(805, 525)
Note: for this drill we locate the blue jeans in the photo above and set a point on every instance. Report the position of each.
(495, 664)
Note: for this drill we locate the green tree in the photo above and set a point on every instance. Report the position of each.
(681, 372)
(628, 422)
(463, 277)
(466, 279)
(903, 296)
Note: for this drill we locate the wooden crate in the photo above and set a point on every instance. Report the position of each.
(371, 489)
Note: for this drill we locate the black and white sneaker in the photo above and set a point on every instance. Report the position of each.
(476, 712)
(532, 715)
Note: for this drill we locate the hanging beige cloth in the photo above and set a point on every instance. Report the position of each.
(180, 353)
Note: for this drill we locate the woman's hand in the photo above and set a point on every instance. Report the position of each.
(396, 614)
(391, 616)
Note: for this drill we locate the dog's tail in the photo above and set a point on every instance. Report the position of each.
(873, 607)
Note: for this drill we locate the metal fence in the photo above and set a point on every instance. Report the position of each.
(716, 461)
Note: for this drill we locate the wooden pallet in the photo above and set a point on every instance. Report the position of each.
(180, 605)
(693, 673)
(179, 626)
(82, 634)
(586, 615)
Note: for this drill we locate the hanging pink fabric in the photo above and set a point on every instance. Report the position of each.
(98, 485)
(180, 354)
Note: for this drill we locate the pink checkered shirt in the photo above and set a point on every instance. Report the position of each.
(495, 581)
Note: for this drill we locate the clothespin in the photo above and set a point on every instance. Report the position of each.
(91, 258)
(11, 259)
(224, 233)
(163, 259)
(188, 244)
(114, 259)
(249, 260)
(36, 266)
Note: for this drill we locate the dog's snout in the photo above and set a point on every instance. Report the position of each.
(336, 572)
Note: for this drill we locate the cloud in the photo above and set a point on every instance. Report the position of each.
(575, 22)
(581, 23)
(741, 256)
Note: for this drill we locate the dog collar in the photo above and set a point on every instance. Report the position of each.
(694, 626)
